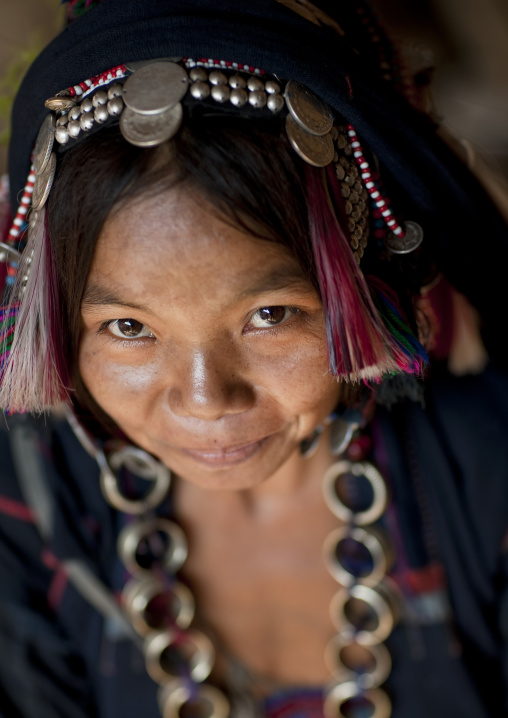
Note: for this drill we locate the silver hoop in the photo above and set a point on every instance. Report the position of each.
(138, 595)
(344, 692)
(377, 603)
(339, 508)
(143, 465)
(357, 669)
(176, 694)
(172, 556)
(366, 539)
(201, 654)
(6, 250)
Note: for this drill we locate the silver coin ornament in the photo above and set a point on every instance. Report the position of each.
(150, 130)
(43, 184)
(60, 104)
(309, 111)
(44, 144)
(155, 88)
(411, 240)
(315, 150)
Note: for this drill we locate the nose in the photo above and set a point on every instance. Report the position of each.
(209, 387)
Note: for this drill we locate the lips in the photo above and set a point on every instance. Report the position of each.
(226, 456)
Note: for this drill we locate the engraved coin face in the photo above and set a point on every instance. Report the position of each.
(411, 240)
(44, 144)
(307, 109)
(43, 183)
(314, 149)
(150, 130)
(155, 87)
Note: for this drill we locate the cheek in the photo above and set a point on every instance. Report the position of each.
(299, 378)
(115, 385)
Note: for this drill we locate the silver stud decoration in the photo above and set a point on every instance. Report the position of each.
(354, 193)
(149, 108)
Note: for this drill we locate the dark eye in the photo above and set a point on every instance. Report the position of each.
(129, 329)
(271, 316)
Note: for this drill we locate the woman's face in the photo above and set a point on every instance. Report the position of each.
(204, 344)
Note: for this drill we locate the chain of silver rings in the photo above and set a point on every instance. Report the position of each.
(161, 608)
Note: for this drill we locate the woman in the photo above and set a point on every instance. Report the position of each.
(217, 286)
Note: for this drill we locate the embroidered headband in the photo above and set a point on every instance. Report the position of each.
(146, 99)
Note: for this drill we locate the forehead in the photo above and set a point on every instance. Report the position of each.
(175, 240)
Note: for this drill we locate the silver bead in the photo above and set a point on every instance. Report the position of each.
(275, 103)
(115, 90)
(101, 113)
(61, 135)
(255, 84)
(220, 93)
(62, 120)
(86, 121)
(200, 90)
(237, 82)
(100, 98)
(217, 78)
(73, 128)
(238, 97)
(115, 106)
(75, 113)
(272, 87)
(87, 105)
(198, 74)
(257, 98)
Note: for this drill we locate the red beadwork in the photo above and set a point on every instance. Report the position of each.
(20, 218)
(371, 186)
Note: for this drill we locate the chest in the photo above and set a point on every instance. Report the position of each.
(262, 588)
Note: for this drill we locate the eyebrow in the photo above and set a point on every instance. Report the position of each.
(96, 296)
(288, 277)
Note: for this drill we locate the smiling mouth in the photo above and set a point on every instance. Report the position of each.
(227, 456)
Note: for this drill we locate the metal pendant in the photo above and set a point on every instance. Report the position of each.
(315, 150)
(411, 240)
(44, 144)
(43, 184)
(150, 130)
(155, 88)
(309, 111)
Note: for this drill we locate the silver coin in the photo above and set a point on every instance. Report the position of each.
(307, 109)
(411, 240)
(60, 104)
(155, 88)
(150, 130)
(44, 144)
(43, 184)
(315, 150)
